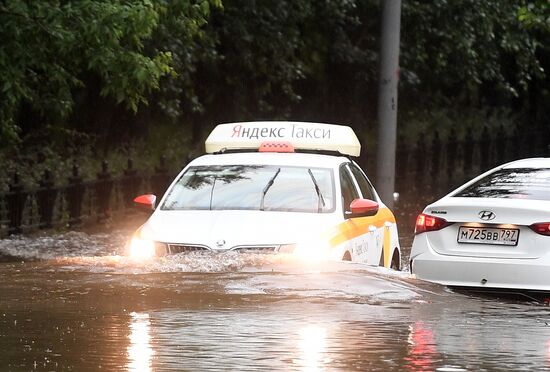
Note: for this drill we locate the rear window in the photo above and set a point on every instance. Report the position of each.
(518, 183)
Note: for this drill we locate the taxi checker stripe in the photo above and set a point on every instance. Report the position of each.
(358, 226)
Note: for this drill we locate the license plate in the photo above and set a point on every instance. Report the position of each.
(488, 235)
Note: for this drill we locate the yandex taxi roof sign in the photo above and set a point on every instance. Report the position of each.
(301, 135)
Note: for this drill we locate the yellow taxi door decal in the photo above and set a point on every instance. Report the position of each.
(355, 227)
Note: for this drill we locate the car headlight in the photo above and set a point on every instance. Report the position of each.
(287, 248)
(315, 250)
(141, 248)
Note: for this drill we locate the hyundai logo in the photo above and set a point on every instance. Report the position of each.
(220, 243)
(486, 215)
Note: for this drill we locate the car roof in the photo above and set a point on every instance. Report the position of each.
(287, 159)
(529, 163)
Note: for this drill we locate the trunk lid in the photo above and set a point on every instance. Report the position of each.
(489, 215)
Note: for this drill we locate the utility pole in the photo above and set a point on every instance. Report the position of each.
(387, 99)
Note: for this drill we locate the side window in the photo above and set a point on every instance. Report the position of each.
(349, 192)
(364, 184)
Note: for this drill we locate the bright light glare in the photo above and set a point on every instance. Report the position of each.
(312, 251)
(142, 248)
(313, 347)
(140, 351)
(287, 248)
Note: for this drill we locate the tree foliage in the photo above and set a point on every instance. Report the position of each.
(121, 64)
(317, 60)
(452, 47)
(535, 14)
(50, 49)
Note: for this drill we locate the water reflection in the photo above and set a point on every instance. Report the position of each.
(312, 345)
(245, 312)
(140, 351)
(421, 348)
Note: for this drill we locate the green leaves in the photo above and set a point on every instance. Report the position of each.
(99, 65)
(535, 14)
(52, 49)
(468, 45)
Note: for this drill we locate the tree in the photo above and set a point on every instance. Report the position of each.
(476, 52)
(52, 49)
(536, 14)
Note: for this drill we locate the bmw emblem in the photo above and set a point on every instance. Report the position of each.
(220, 243)
(486, 215)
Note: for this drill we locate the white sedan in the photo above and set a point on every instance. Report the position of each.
(287, 187)
(493, 232)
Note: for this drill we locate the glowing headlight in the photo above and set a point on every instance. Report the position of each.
(141, 248)
(287, 248)
(313, 250)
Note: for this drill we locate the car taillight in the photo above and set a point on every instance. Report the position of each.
(426, 223)
(542, 228)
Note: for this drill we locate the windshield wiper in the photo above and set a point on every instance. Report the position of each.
(266, 188)
(212, 192)
(318, 191)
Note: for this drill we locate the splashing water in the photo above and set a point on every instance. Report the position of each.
(254, 272)
(70, 244)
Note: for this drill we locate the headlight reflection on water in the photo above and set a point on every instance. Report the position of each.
(140, 351)
(312, 345)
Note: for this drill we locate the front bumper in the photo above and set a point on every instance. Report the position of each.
(162, 249)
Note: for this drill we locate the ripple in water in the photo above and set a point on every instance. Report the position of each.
(70, 244)
(249, 273)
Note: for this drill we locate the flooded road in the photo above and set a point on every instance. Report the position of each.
(73, 302)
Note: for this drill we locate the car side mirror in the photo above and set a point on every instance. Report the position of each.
(363, 208)
(146, 202)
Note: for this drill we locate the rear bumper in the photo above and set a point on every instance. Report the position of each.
(523, 274)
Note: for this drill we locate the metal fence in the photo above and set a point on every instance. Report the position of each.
(426, 169)
(77, 201)
(434, 164)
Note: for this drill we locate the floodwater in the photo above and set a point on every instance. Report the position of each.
(73, 302)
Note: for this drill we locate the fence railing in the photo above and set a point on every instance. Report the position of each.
(426, 169)
(434, 164)
(77, 201)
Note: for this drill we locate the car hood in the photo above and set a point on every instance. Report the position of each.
(235, 228)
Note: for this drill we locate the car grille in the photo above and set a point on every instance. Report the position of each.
(183, 248)
(257, 248)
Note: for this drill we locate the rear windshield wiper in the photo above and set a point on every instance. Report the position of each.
(266, 188)
(318, 191)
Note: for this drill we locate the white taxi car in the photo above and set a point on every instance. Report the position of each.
(273, 186)
(493, 232)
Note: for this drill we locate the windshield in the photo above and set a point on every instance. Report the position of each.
(253, 187)
(518, 183)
